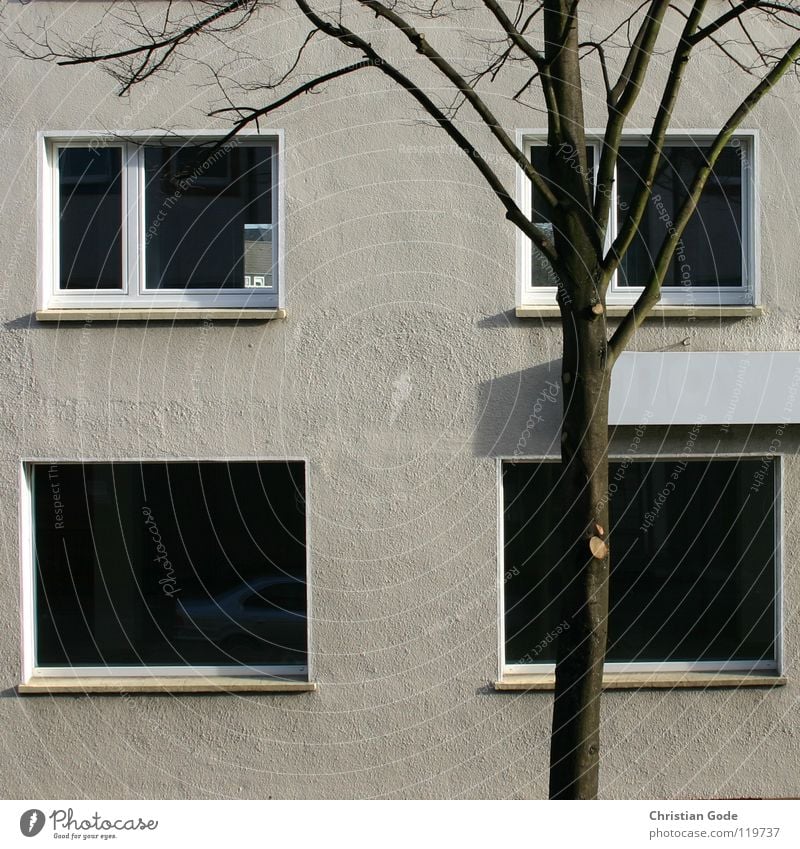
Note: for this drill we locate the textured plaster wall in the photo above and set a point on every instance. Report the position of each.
(401, 375)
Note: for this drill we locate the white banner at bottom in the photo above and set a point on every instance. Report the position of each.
(418, 824)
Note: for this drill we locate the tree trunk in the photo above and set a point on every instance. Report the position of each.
(575, 742)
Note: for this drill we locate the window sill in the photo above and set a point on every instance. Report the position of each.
(160, 314)
(696, 312)
(651, 681)
(185, 684)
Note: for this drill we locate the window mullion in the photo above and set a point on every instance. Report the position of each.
(55, 222)
(613, 223)
(748, 227)
(133, 214)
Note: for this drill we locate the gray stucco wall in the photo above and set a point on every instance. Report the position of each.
(401, 375)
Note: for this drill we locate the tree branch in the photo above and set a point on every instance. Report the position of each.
(521, 43)
(655, 143)
(620, 101)
(424, 48)
(144, 59)
(513, 213)
(597, 47)
(652, 291)
(731, 14)
(255, 114)
(514, 35)
(171, 41)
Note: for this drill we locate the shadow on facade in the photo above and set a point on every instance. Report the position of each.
(520, 413)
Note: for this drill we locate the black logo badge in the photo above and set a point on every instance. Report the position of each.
(31, 822)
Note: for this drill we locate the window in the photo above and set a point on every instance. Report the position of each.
(714, 261)
(161, 223)
(168, 568)
(694, 564)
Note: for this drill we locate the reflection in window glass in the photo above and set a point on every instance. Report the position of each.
(90, 218)
(170, 564)
(208, 217)
(692, 572)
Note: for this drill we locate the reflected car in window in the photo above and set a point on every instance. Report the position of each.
(264, 616)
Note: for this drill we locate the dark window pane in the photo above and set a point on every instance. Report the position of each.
(693, 565)
(208, 217)
(159, 564)
(533, 551)
(90, 218)
(710, 253)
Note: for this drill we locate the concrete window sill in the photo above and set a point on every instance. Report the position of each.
(187, 314)
(699, 313)
(650, 681)
(187, 684)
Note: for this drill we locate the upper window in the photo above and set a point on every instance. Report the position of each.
(161, 224)
(167, 568)
(714, 261)
(693, 568)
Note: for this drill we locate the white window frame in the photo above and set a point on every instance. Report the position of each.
(133, 294)
(747, 294)
(773, 666)
(28, 661)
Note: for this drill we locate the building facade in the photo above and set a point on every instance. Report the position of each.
(278, 430)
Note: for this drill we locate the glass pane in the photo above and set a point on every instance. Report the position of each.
(693, 566)
(533, 551)
(90, 218)
(542, 273)
(710, 253)
(208, 218)
(170, 564)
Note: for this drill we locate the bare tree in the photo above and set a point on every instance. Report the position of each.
(543, 39)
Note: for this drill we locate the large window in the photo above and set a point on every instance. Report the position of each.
(168, 567)
(694, 564)
(714, 261)
(161, 224)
